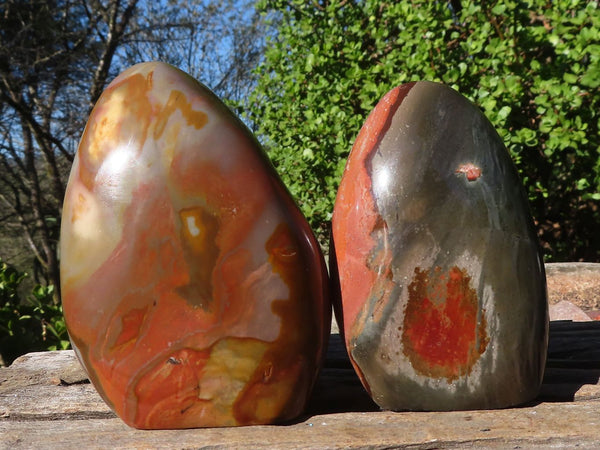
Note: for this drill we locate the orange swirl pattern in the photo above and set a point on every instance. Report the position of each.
(193, 289)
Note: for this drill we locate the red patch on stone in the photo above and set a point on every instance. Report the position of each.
(443, 337)
(355, 216)
(470, 170)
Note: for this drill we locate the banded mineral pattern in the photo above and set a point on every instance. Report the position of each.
(194, 291)
(442, 289)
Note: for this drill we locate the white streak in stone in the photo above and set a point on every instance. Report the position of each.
(191, 224)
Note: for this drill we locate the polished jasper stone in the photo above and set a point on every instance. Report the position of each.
(194, 291)
(442, 287)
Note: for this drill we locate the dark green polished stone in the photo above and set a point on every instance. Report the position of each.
(441, 284)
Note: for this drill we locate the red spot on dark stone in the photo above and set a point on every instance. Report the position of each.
(470, 170)
(443, 337)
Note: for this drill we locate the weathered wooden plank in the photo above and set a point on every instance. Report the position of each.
(573, 363)
(571, 375)
(541, 426)
(570, 327)
(569, 392)
(46, 400)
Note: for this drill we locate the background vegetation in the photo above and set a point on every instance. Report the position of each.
(34, 323)
(533, 66)
(304, 75)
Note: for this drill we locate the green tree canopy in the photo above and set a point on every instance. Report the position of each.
(533, 66)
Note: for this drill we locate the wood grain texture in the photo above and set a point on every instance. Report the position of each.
(45, 399)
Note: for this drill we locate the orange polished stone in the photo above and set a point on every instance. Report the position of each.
(193, 289)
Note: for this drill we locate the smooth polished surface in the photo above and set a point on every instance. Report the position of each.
(442, 287)
(193, 289)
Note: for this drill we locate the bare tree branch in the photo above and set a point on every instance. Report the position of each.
(56, 57)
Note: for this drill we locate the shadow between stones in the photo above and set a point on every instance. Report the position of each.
(573, 362)
(338, 388)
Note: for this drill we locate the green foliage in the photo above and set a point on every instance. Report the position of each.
(34, 325)
(533, 66)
